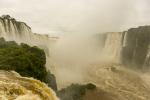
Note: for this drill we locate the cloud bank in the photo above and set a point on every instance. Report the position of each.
(84, 16)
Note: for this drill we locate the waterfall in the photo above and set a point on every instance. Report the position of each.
(12, 29)
(130, 47)
(113, 46)
(15, 87)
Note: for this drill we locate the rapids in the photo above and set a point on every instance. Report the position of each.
(15, 87)
(123, 83)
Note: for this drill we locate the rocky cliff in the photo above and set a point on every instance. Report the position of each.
(130, 47)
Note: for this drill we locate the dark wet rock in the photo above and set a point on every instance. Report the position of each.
(75, 91)
(51, 81)
(130, 48)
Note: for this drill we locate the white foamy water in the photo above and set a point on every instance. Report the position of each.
(15, 87)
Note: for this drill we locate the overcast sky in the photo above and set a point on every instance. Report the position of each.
(93, 16)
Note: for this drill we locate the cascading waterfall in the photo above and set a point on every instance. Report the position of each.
(113, 46)
(11, 29)
(130, 47)
(126, 48)
(15, 87)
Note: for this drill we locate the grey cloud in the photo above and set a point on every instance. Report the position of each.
(91, 16)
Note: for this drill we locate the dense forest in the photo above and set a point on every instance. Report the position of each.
(27, 61)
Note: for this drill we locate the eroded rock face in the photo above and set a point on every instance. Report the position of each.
(15, 87)
(131, 47)
(136, 49)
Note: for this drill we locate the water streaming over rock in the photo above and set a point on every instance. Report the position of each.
(113, 45)
(131, 48)
(13, 30)
(20, 32)
(15, 87)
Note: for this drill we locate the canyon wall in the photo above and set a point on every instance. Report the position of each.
(130, 47)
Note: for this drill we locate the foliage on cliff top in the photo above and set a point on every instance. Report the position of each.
(27, 61)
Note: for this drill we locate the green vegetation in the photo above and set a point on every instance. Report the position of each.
(27, 61)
